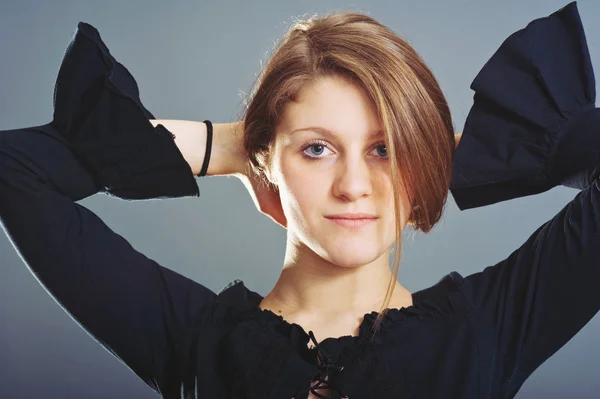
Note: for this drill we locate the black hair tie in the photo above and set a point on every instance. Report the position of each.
(209, 133)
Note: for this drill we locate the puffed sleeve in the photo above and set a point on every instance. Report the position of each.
(101, 140)
(533, 126)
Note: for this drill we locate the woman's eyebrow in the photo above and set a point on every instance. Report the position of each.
(330, 133)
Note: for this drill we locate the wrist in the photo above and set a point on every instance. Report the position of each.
(228, 156)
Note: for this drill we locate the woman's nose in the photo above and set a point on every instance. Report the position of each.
(353, 180)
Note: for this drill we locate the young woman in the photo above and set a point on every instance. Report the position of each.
(347, 139)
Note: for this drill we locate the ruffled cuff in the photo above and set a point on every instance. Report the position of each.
(577, 160)
(98, 109)
(533, 92)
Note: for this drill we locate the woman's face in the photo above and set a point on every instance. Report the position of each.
(329, 159)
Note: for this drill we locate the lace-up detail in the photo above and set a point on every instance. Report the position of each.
(327, 368)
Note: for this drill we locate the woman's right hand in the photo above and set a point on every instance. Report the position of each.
(265, 196)
(229, 147)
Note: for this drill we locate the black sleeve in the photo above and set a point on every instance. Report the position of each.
(533, 126)
(101, 140)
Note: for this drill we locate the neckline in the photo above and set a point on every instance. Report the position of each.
(237, 293)
(363, 328)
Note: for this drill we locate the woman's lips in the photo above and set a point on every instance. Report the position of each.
(352, 223)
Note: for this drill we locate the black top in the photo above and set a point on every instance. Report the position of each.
(531, 128)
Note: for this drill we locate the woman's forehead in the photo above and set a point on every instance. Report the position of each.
(330, 106)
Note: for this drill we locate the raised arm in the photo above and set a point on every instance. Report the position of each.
(534, 126)
(101, 140)
(227, 152)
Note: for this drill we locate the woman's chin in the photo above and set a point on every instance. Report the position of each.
(353, 255)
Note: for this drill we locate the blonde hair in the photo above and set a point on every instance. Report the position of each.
(413, 111)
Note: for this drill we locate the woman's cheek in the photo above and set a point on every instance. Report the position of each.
(301, 193)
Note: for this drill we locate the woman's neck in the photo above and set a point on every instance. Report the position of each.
(310, 284)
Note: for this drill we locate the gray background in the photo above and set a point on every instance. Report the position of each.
(194, 60)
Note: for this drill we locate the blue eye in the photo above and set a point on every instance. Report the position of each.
(319, 146)
(384, 153)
